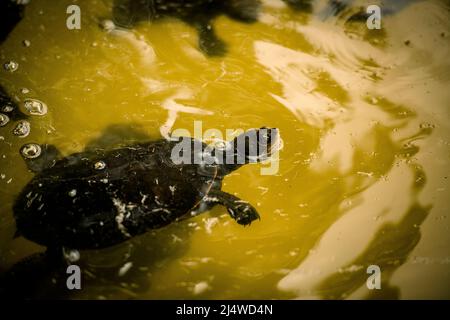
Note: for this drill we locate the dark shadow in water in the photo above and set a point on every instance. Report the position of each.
(197, 13)
(10, 14)
(148, 254)
(389, 249)
(300, 5)
(44, 276)
(34, 276)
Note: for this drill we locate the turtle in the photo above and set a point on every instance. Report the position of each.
(102, 197)
(197, 13)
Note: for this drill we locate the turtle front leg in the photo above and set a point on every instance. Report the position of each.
(240, 210)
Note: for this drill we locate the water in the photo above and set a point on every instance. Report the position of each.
(363, 175)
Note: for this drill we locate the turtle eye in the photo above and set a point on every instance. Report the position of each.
(99, 165)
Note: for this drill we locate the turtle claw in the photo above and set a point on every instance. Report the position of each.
(244, 213)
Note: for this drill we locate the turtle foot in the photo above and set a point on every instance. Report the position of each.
(243, 213)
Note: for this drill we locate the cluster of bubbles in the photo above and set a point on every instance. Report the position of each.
(31, 107)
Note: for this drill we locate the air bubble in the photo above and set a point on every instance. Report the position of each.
(11, 66)
(4, 119)
(22, 129)
(72, 255)
(31, 151)
(107, 25)
(35, 107)
(7, 108)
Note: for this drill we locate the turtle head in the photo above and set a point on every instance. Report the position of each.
(255, 145)
(252, 146)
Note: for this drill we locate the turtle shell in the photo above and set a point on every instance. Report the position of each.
(99, 198)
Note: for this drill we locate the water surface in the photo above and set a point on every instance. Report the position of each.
(363, 175)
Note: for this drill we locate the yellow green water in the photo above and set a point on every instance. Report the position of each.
(363, 175)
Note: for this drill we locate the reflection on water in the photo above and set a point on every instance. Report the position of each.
(363, 174)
